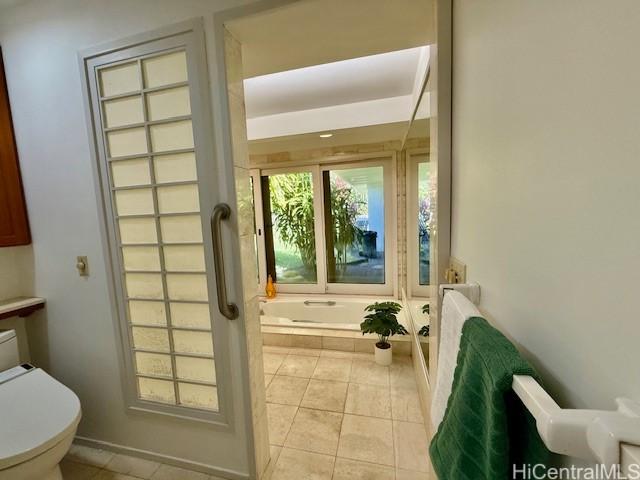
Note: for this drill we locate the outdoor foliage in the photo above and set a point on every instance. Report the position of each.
(293, 215)
(383, 321)
(292, 208)
(346, 204)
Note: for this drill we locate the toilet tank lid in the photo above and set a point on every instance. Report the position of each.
(6, 335)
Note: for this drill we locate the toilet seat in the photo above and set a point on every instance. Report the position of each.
(37, 413)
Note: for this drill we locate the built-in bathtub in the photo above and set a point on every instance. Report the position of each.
(330, 322)
(326, 313)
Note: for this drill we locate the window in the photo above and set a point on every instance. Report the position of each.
(144, 126)
(326, 227)
(420, 214)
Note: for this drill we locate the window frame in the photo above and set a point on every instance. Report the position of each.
(413, 159)
(316, 166)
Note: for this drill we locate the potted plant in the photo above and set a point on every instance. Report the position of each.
(383, 321)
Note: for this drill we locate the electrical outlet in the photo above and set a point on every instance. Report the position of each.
(457, 271)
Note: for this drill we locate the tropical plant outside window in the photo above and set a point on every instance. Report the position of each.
(292, 213)
(355, 225)
(425, 220)
(353, 214)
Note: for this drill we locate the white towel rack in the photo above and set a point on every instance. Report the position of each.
(609, 437)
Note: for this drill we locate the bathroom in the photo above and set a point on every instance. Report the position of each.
(127, 282)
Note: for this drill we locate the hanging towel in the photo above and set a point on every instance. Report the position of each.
(486, 429)
(456, 309)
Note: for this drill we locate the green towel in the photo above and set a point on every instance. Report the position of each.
(486, 429)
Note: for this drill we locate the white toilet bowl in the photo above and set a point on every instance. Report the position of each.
(39, 420)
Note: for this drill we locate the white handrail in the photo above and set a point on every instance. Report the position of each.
(608, 437)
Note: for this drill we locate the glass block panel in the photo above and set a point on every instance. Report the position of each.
(171, 136)
(181, 229)
(147, 313)
(154, 364)
(156, 339)
(120, 79)
(126, 173)
(173, 102)
(165, 69)
(138, 201)
(190, 315)
(137, 230)
(185, 341)
(141, 258)
(179, 167)
(198, 369)
(198, 396)
(123, 111)
(178, 199)
(122, 143)
(184, 258)
(187, 287)
(144, 285)
(156, 390)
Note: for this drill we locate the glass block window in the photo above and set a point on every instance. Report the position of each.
(148, 135)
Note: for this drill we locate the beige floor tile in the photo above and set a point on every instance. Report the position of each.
(275, 349)
(335, 354)
(401, 374)
(325, 395)
(409, 475)
(347, 469)
(315, 431)
(89, 456)
(267, 379)
(363, 356)
(77, 471)
(286, 390)
(272, 362)
(138, 467)
(410, 445)
(368, 400)
(367, 439)
(369, 373)
(298, 366)
(405, 405)
(108, 475)
(280, 418)
(307, 352)
(338, 369)
(299, 465)
(169, 472)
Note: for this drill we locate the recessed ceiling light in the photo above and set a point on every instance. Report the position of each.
(326, 135)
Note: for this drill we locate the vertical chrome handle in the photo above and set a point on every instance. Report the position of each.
(222, 211)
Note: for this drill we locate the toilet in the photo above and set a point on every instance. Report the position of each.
(39, 417)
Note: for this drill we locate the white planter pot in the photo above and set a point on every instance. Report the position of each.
(383, 356)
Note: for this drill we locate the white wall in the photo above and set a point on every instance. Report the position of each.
(75, 338)
(546, 184)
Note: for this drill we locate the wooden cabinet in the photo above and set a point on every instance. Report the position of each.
(14, 225)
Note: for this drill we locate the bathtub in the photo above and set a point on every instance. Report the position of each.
(326, 312)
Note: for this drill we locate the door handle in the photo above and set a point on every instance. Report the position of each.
(222, 211)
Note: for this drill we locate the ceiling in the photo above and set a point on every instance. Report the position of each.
(348, 81)
(314, 32)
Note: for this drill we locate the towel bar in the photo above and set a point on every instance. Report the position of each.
(587, 434)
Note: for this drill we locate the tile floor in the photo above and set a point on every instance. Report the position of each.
(84, 463)
(339, 416)
(332, 416)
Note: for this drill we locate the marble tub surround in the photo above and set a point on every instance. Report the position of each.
(347, 418)
(340, 340)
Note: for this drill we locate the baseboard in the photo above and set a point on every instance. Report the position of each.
(157, 457)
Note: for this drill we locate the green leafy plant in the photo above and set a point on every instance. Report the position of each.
(424, 331)
(383, 321)
(425, 308)
(346, 204)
